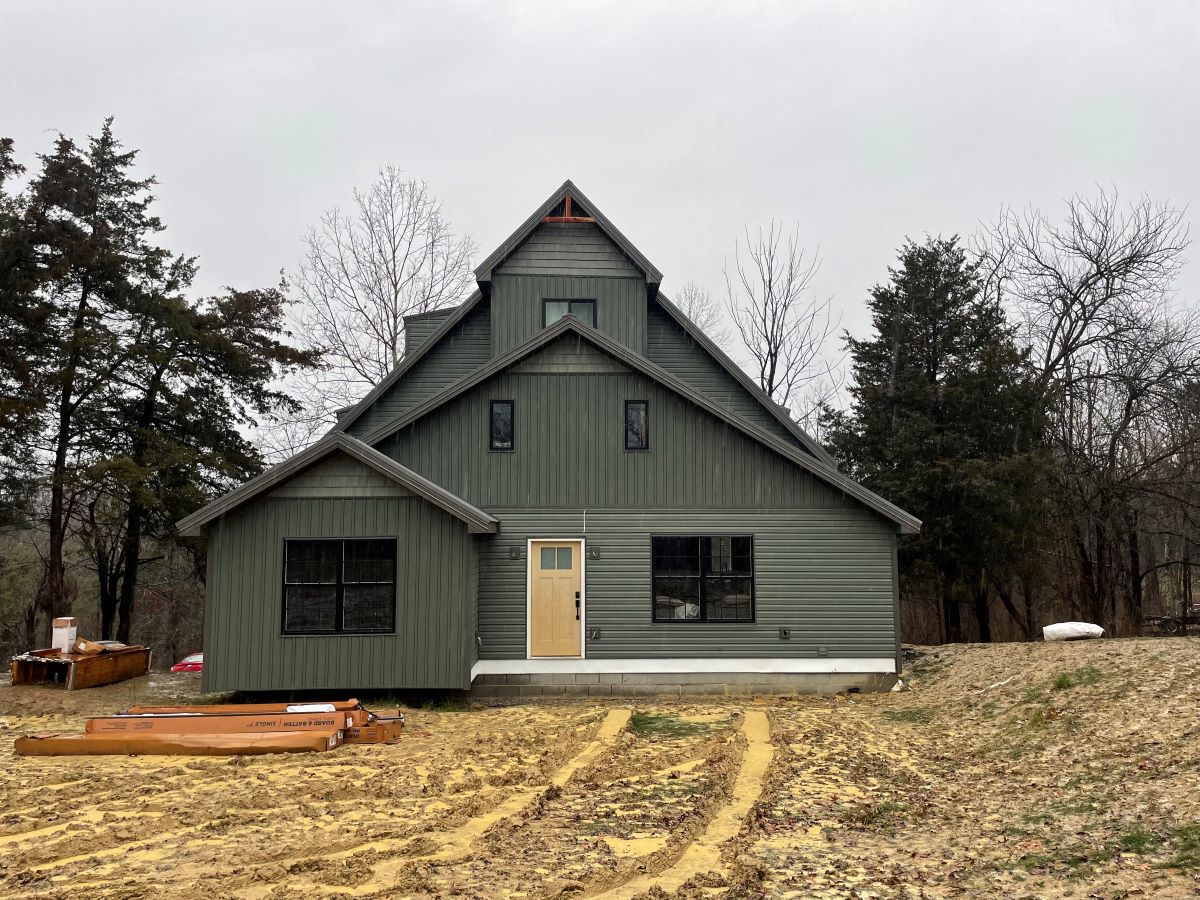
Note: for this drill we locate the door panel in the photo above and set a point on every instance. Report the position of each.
(555, 582)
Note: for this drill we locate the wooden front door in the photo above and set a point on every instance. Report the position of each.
(555, 598)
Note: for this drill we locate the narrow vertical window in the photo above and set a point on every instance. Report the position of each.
(502, 425)
(637, 425)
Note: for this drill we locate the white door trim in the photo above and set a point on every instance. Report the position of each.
(529, 542)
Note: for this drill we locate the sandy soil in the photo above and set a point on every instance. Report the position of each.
(1042, 770)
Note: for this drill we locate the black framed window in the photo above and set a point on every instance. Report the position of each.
(501, 425)
(637, 425)
(583, 310)
(702, 578)
(339, 586)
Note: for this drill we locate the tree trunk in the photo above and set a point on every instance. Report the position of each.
(133, 550)
(1134, 598)
(951, 617)
(982, 611)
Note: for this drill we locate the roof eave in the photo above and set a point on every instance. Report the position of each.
(476, 520)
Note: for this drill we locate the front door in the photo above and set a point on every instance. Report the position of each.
(555, 598)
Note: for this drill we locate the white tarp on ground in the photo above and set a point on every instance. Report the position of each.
(1071, 631)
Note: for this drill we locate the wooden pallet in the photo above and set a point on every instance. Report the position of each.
(77, 670)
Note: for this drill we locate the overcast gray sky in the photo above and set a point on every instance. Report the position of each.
(863, 122)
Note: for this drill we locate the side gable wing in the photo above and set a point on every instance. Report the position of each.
(348, 457)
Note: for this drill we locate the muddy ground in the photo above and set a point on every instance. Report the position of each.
(1041, 770)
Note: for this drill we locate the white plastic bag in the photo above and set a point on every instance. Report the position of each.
(1071, 631)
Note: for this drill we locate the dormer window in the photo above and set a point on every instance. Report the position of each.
(583, 310)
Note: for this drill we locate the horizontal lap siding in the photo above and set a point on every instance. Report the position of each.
(825, 574)
(417, 331)
(434, 603)
(569, 248)
(517, 313)
(670, 347)
(462, 351)
(569, 450)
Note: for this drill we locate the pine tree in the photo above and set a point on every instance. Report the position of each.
(133, 396)
(938, 424)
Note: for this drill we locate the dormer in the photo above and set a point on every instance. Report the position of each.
(568, 259)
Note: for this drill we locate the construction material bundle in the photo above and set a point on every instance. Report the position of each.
(222, 730)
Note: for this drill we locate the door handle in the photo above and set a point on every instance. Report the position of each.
(577, 605)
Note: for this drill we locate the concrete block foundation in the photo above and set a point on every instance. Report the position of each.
(730, 684)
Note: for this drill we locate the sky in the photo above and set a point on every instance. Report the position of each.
(859, 123)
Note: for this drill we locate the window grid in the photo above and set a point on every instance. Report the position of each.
(702, 578)
(555, 309)
(339, 586)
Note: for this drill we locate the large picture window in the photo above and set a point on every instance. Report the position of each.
(702, 578)
(583, 310)
(339, 586)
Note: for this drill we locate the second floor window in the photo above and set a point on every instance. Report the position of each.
(637, 425)
(583, 310)
(501, 425)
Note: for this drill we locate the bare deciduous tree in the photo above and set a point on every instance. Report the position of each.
(699, 305)
(780, 324)
(393, 255)
(1115, 363)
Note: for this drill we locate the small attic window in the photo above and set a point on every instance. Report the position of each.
(568, 210)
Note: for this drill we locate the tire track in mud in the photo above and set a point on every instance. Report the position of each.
(454, 844)
(703, 855)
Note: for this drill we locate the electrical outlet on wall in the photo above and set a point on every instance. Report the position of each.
(785, 634)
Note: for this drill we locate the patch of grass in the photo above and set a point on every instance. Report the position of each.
(663, 726)
(913, 715)
(447, 705)
(1079, 678)
(1139, 840)
(1185, 846)
(1033, 695)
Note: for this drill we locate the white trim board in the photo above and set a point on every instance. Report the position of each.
(701, 665)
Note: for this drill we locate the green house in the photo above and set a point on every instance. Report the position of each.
(564, 487)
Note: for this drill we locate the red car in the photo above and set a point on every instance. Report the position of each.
(193, 663)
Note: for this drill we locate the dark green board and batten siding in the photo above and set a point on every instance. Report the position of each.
(569, 450)
(433, 645)
(825, 574)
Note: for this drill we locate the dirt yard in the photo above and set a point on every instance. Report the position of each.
(1042, 770)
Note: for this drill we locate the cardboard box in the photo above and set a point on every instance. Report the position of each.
(65, 631)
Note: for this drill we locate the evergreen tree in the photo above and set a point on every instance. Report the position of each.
(941, 401)
(133, 397)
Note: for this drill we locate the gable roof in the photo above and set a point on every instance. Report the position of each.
(781, 414)
(907, 522)
(477, 520)
(348, 417)
(485, 270)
